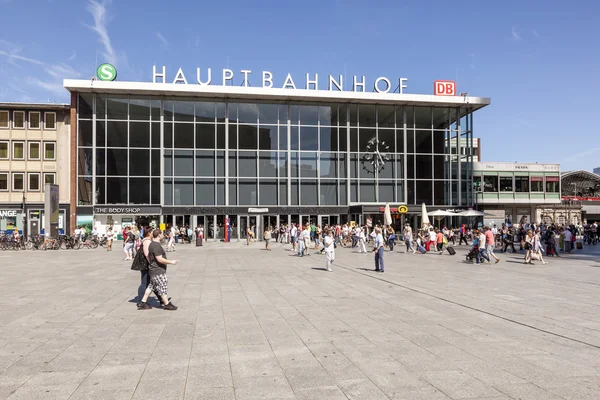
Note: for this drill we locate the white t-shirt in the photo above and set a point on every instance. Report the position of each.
(328, 243)
(568, 235)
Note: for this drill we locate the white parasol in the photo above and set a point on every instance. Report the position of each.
(440, 214)
(387, 215)
(424, 216)
(471, 213)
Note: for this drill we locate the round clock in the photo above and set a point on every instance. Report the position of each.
(376, 155)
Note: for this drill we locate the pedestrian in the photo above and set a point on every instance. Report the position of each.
(157, 265)
(328, 243)
(378, 250)
(306, 237)
(172, 235)
(267, 237)
(129, 240)
(490, 243)
(439, 239)
(145, 274)
(109, 239)
(362, 239)
(391, 237)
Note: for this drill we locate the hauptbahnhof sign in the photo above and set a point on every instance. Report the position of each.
(359, 83)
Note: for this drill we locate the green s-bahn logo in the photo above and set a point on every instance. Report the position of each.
(106, 72)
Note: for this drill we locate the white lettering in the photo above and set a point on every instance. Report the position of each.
(358, 84)
(227, 76)
(180, 77)
(245, 72)
(387, 83)
(157, 75)
(200, 81)
(402, 85)
(8, 213)
(314, 82)
(338, 84)
(267, 78)
(289, 82)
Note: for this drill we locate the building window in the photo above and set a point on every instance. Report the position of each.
(537, 183)
(18, 179)
(506, 184)
(49, 151)
(4, 182)
(34, 150)
(50, 178)
(490, 184)
(19, 119)
(34, 181)
(34, 119)
(3, 119)
(552, 184)
(18, 151)
(3, 150)
(50, 120)
(521, 184)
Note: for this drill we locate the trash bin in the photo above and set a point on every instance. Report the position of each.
(199, 240)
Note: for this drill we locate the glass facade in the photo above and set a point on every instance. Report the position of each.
(215, 152)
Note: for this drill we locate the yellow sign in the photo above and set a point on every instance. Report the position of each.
(402, 209)
(163, 227)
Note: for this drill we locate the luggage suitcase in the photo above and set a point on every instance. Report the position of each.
(451, 250)
(579, 245)
(550, 250)
(421, 249)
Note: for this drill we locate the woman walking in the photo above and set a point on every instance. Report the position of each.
(109, 239)
(329, 249)
(527, 244)
(267, 236)
(391, 236)
(537, 248)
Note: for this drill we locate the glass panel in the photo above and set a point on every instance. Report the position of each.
(295, 164)
(423, 141)
(283, 139)
(168, 192)
(168, 110)
(354, 191)
(410, 141)
(268, 192)
(294, 138)
(233, 163)
(387, 139)
(34, 120)
(155, 111)
(328, 163)
(49, 151)
(183, 163)
(183, 111)
(400, 191)
(366, 115)
(386, 171)
(343, 193)
(365, 136)
(34, 182)
(506, 184)
(155, 193)
(248, 136)
(423, 167)
(295, 190)
(439, 167)
(400, 141)
(439, 142)
(183, 194)
(84, 191)
(220, 136)
(410, 188)
(353, 139)
(116, 134)
(367, 191)
(309, 115)
(423, 117)
(247, 160)
(267, 137)
(294, 114)
(116, 163)
(267, 113)
(139, 192)
(282, 193)
(221, 163)
(184, 136)
(116, 190)
(116, 107)
(386, 191)
(233, 192)
(308, 192)
(386, 116)
(3, 181)
(84, 162)
(439, 194)
(268, 165)
(410, 166)
(247, 113)
(4, 150)
(139, 163)
(205, 192)
(34, 151)
(85, 105)
(205, 111)
(220, 109)
(328, 114)
(221, 192)
(248, 192)
(100, 134)
(309, 138)
(521, 184)
(424, 192)
(233, 135)
(168, 136)
(168, 155)
(205, 136)
(308, 165)
(139, 134)
(343, 136)
(85, 133)
(490, 184)
(139, 109)
(440, 117)
(155, 163)
(329, 192)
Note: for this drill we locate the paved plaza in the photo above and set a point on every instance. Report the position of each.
(254, 324)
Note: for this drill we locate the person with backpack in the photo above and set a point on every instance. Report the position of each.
(140, 263)
(157, 268)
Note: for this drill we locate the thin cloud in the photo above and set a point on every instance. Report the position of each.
(49, 86)
(55, 70)
(580, 155)
(18, 88)
(73, 56)
(162, 39)
(515, 34)
(535, 33)
(98, 11)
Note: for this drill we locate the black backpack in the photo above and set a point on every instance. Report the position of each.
(140, 263)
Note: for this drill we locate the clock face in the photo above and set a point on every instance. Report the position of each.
(377, 154)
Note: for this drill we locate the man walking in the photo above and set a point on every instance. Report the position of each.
(157, 266)
(490, 243)
(378, 250)
(329, 249)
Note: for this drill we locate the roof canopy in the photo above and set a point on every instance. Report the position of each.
(580, 184)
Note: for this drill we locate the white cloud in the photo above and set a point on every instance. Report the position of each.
(54, 87)
(17, 88)
(162, 39)
(515, 34)
(98, 11)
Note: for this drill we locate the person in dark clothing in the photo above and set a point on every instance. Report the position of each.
(157, 266)
(508, 241)
(462, 235)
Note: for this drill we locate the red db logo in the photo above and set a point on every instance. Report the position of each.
(444, 88)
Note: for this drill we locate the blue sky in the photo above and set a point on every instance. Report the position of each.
(537, 60)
